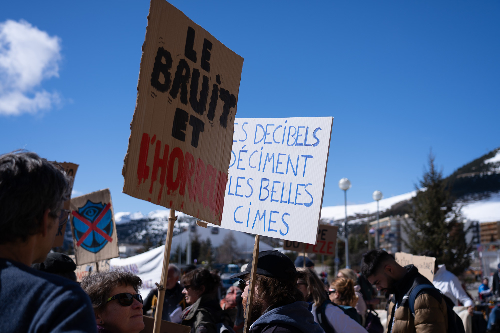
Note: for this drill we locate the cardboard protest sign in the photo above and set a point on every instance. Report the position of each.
(93, 227)
(166, 326)
(87, 269)
(182, 130)
(70, 169)
(424, 264)
(325, 242)
(276, 177)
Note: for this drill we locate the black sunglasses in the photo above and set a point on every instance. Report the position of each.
(126, 299)
(331, 291)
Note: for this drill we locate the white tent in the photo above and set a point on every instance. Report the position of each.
(148, 265)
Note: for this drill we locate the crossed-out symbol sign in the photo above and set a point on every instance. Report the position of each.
(85, 225)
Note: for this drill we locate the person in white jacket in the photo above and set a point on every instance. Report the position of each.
(314, 292)
(448, 284)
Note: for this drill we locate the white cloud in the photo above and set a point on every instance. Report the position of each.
(27, 56)
(75, 193)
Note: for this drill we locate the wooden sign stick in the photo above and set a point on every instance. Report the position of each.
(252, 283)
(164, 271)
(304, 255)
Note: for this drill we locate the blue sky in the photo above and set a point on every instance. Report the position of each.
(400, 78)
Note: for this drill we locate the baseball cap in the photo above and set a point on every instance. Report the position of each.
(273, 264)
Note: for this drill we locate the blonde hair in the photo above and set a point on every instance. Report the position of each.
(315, 287)
(345, 288)
(349, 274)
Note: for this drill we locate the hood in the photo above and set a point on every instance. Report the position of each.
(295, 314)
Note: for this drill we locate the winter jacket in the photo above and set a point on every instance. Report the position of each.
(449, 285)
(496, 283)
(204, 315)
(291, 318)
(430, 315)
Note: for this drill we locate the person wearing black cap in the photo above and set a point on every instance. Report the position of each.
(278, 306)
(59, 264)
(32, 193)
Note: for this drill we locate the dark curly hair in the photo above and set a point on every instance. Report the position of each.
(201, 277)
(29, 185)
(372, 260)
(99, 285)
(278, 292)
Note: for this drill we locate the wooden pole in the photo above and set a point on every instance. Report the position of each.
(252, 284)
(164, 271)
(304, 255)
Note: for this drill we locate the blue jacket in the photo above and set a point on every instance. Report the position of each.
(290, 318)
(35, 301)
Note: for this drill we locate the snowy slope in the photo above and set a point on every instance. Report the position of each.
(485, 210)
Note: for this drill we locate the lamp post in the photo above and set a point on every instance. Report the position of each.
(377, 196)
(344, 185)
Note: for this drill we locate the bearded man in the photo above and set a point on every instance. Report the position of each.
(277, 306)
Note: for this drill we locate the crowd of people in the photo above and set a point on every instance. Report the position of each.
(40, 292)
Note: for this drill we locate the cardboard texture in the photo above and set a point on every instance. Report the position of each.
(424, 264)
(86, 269)
(182, 130)
(70, 169)
(166, 326)
(325, 242)
(93, 227)
(277, 177)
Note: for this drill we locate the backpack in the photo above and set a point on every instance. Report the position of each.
(323, 321)
(455, 324)
(372, 323)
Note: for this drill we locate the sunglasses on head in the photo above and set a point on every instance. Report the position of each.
(125, 299)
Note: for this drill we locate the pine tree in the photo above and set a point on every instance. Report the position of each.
(437, 223)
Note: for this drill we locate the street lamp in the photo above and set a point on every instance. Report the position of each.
(377, 196)
(344, 185)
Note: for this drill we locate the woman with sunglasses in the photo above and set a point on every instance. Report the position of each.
(315, 293)
(117, 304)
(204, 313)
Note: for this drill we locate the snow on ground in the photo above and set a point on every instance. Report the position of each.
(338, 212)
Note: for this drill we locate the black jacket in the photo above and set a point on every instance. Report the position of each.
(290, 318)
(495, 288)
(204, 315)
(173, 298)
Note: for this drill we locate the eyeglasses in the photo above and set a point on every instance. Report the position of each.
(331, 291)
(187, 287)
(126, 299)
(63, 216)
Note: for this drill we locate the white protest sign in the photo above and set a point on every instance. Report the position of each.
(276, 177)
